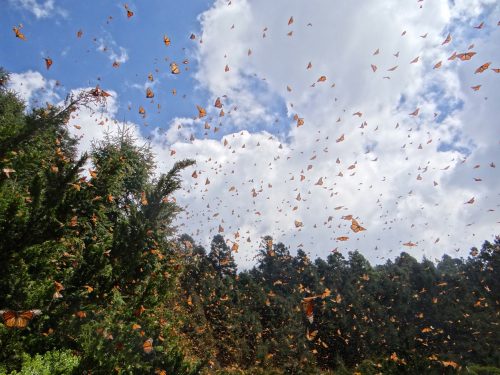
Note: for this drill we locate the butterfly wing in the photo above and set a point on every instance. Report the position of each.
(23, 318)
(147, 346)
(9, 318)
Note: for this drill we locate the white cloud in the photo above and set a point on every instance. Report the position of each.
(114, 52)
(395, 197)
(40, 9)
(33, 88)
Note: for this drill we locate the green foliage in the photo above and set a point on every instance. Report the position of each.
(403, 317)
(50, 363)
(92, 250)
(483, 370)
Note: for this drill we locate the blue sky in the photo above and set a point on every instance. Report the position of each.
(78, 63)
(359, 152)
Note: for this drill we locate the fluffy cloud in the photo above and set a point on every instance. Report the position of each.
(410, 175)
(33, 88)
(40, 9)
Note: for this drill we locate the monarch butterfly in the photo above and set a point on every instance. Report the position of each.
(438, 65)
(17, 31)
(79, 33)
(496, 70)
(18, 319)
(218, 103)
(342, 238)
(99, 92)
(409, 244)
(142, 111)
(201, 111)
(166, 40)
(174, 68)
(447, 40)
(48, 62)
(57, 285)
(392, 69)
(483, 67)
(340, 139)
(356, 227)
(466, 56)
(308, 303)
(149, 93)
(374, 68)
(415, 112)
(147, 346)
(480, 26)
(290, 21)
(476, 88)
(321, 79)
(129, 12)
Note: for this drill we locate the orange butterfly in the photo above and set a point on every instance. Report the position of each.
(129, 12)
(142, 111)
(483, 67)
(476, 88)
(356, 227)
(447, 40)
(98, 92)
(308, 303)
(57, 285)
(438, 65)
(149, 93)
(18, 319)
(174, 68)
(374, 68)
(342, 238)
(466, 56)
(166, 40)
(409, 244)
(48, 62)
(496, 70)
(79, 33)
(17, 31)
(201, 111)
(290, 21)
(340, 139)
(322, 79)
(147, 346)
(218, 103)
(415, 112)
